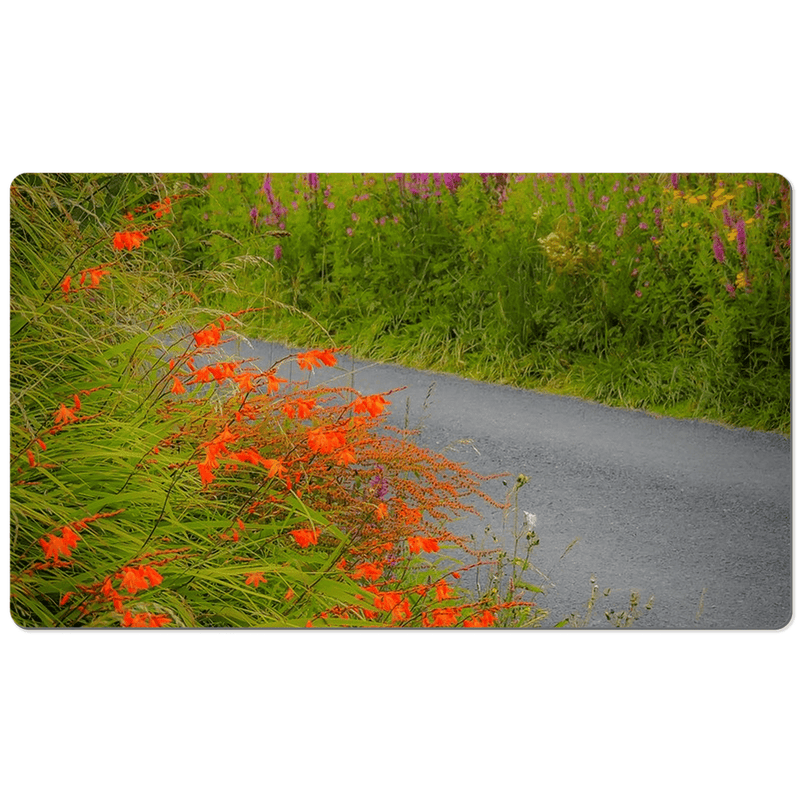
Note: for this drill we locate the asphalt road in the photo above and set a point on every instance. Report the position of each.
(695, 514)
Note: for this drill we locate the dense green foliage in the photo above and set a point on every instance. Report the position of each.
(664, 292)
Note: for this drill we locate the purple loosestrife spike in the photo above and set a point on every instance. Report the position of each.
(719, 250)
(674, 178)
(741, 238)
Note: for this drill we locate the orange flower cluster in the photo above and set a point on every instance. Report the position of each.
(128, 240)
(94, 274)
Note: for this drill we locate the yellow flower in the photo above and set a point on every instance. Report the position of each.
(741, 281)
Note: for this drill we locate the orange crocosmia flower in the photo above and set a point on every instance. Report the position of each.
(65, 285)
(133, 580)
(31, 459)
(321, 440)
(382, 511)
(95, 273)
(301, 408)
(206, 475)
(254, 578)
(71, 538)
(159, 620)
(346, 457)
(245, 382)
(208, 336)
(54, 547)
(127, 240)
(289, 594)
(443, 590)
(274, 382)
(274, 466)
(484, 621)
(134, 621)
(305, 536)
(373, 405)
(64, 415)
(444, 617)
(316, 358)
(369, 571)
(401, 611)
(65, 599)
(430, 545)
(151, 575)
(177, 386)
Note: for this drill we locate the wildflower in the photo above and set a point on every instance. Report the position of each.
(64, 415)
(69, 536)
(379, 485)
(643, 226)
(638, 292)
(417, 543)
(674, 179)
(322, 440)
(289, 594)
(730, 289)
(301, 408)
(346, 457)
(133, 580)
(177, 386)
(443, 590)
(623, 221)
(305, 536)
(127, 240)
(277, 252)
(313, 181)
(382, 511)
(245, 382)
(369, 571)
(373, 405)
(54, 547)
(316, 358)
(484, 621)
(208, 336)
(741, 281)
(741, 234)
(273, 382)
(254, 578)
(444, 617)
(65, 285)
(719, 251)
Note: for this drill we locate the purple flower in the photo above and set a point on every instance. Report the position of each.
(731, 289)
(674, 178)
(254, 215)
(623, 221)
(638, 293)
(719, 250)
(634, 273)
(727, 218)
(741, 238)
(643, 226)
(313, 180)
(349, 231)
(277, 252)
(452, 180)
(380, 486)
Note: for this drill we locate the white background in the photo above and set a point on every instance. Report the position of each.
(423, 86)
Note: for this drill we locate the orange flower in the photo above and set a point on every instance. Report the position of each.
(95, 273)
(316, 358)
(245, 382)
(369, 571)
(64, 415)
(255, 578)
(127, 240)
(444, 617)
(65, 285)
(443, 590)
(71, 538)
(382, 511)
(177, 386)
(346, 457)
(417, 543)
(208, 336)
(484, 621)
(54, 547)
(133, 580)
(304, 536)
(274, 382)
(321, 440)
(301, 408)
(373, 405)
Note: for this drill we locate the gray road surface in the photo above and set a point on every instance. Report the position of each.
(695, 514)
